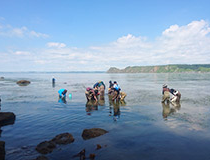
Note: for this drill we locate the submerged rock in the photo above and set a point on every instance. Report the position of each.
(45, 147)
(48, 146)
(81, 154)
(64, 138)
(92, 156)
(7, 118)
(41, 158)
(92, 133)
(23, 82)
(2, 150)
(98, 146)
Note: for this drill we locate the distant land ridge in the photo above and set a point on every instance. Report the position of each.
(171, 68)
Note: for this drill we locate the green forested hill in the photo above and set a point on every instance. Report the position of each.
(163, 69)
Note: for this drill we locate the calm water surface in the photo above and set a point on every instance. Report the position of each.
(141, 128)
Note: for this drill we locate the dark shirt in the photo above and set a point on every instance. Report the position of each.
(111, 85)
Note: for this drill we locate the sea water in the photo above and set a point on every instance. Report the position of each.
(140, 128)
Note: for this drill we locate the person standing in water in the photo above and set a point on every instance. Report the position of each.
(101, 87)
(62, 93)
(116, 91)
(111, 89)
(91, 94)
(53, 81)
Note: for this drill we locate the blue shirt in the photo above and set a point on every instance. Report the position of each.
(61, 92)
(116, 86)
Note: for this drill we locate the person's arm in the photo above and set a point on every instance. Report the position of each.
(95, 98)
(94, 95)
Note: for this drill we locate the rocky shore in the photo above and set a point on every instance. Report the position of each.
(47, 147)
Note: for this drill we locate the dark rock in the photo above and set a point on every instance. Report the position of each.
(92, 156)
(7, 118)
(23, 82)
(2, 150)
(41, 158)
(45, 147)
(1, 78)
(64, 138)
(81, 154)
(92, 133)
(98, 146)
(48, 146)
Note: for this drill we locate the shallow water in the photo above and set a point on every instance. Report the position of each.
(142, 128)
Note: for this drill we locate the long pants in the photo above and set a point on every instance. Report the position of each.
(166, 96)
(122, 95)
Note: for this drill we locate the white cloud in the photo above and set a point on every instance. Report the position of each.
(9, 31)
(22, 53)
(188, 44)
(38, 35)
(56, 44)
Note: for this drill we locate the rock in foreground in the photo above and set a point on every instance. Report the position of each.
(2, 150)
(7, 118)
(45, 147)
(92, 133)
(64, 138)
(41, 158)
(48, 146)
(23, 82)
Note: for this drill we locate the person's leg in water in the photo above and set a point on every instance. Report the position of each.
(122, 95)
(166, 97)
(116, 95)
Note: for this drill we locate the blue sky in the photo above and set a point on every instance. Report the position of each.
(67, 35)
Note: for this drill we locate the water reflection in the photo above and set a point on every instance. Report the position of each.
(170, 108)
(53, 85)
(62, 100)
(101, 100)
(114, 107)
(90, 106)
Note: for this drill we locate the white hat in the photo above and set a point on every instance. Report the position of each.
(165, 85)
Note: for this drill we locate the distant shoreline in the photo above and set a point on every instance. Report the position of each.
(171, 68)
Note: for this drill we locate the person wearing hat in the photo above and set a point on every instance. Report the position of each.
(166, 94)
(110, 89)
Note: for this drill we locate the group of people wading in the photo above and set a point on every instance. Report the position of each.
(114, 91)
